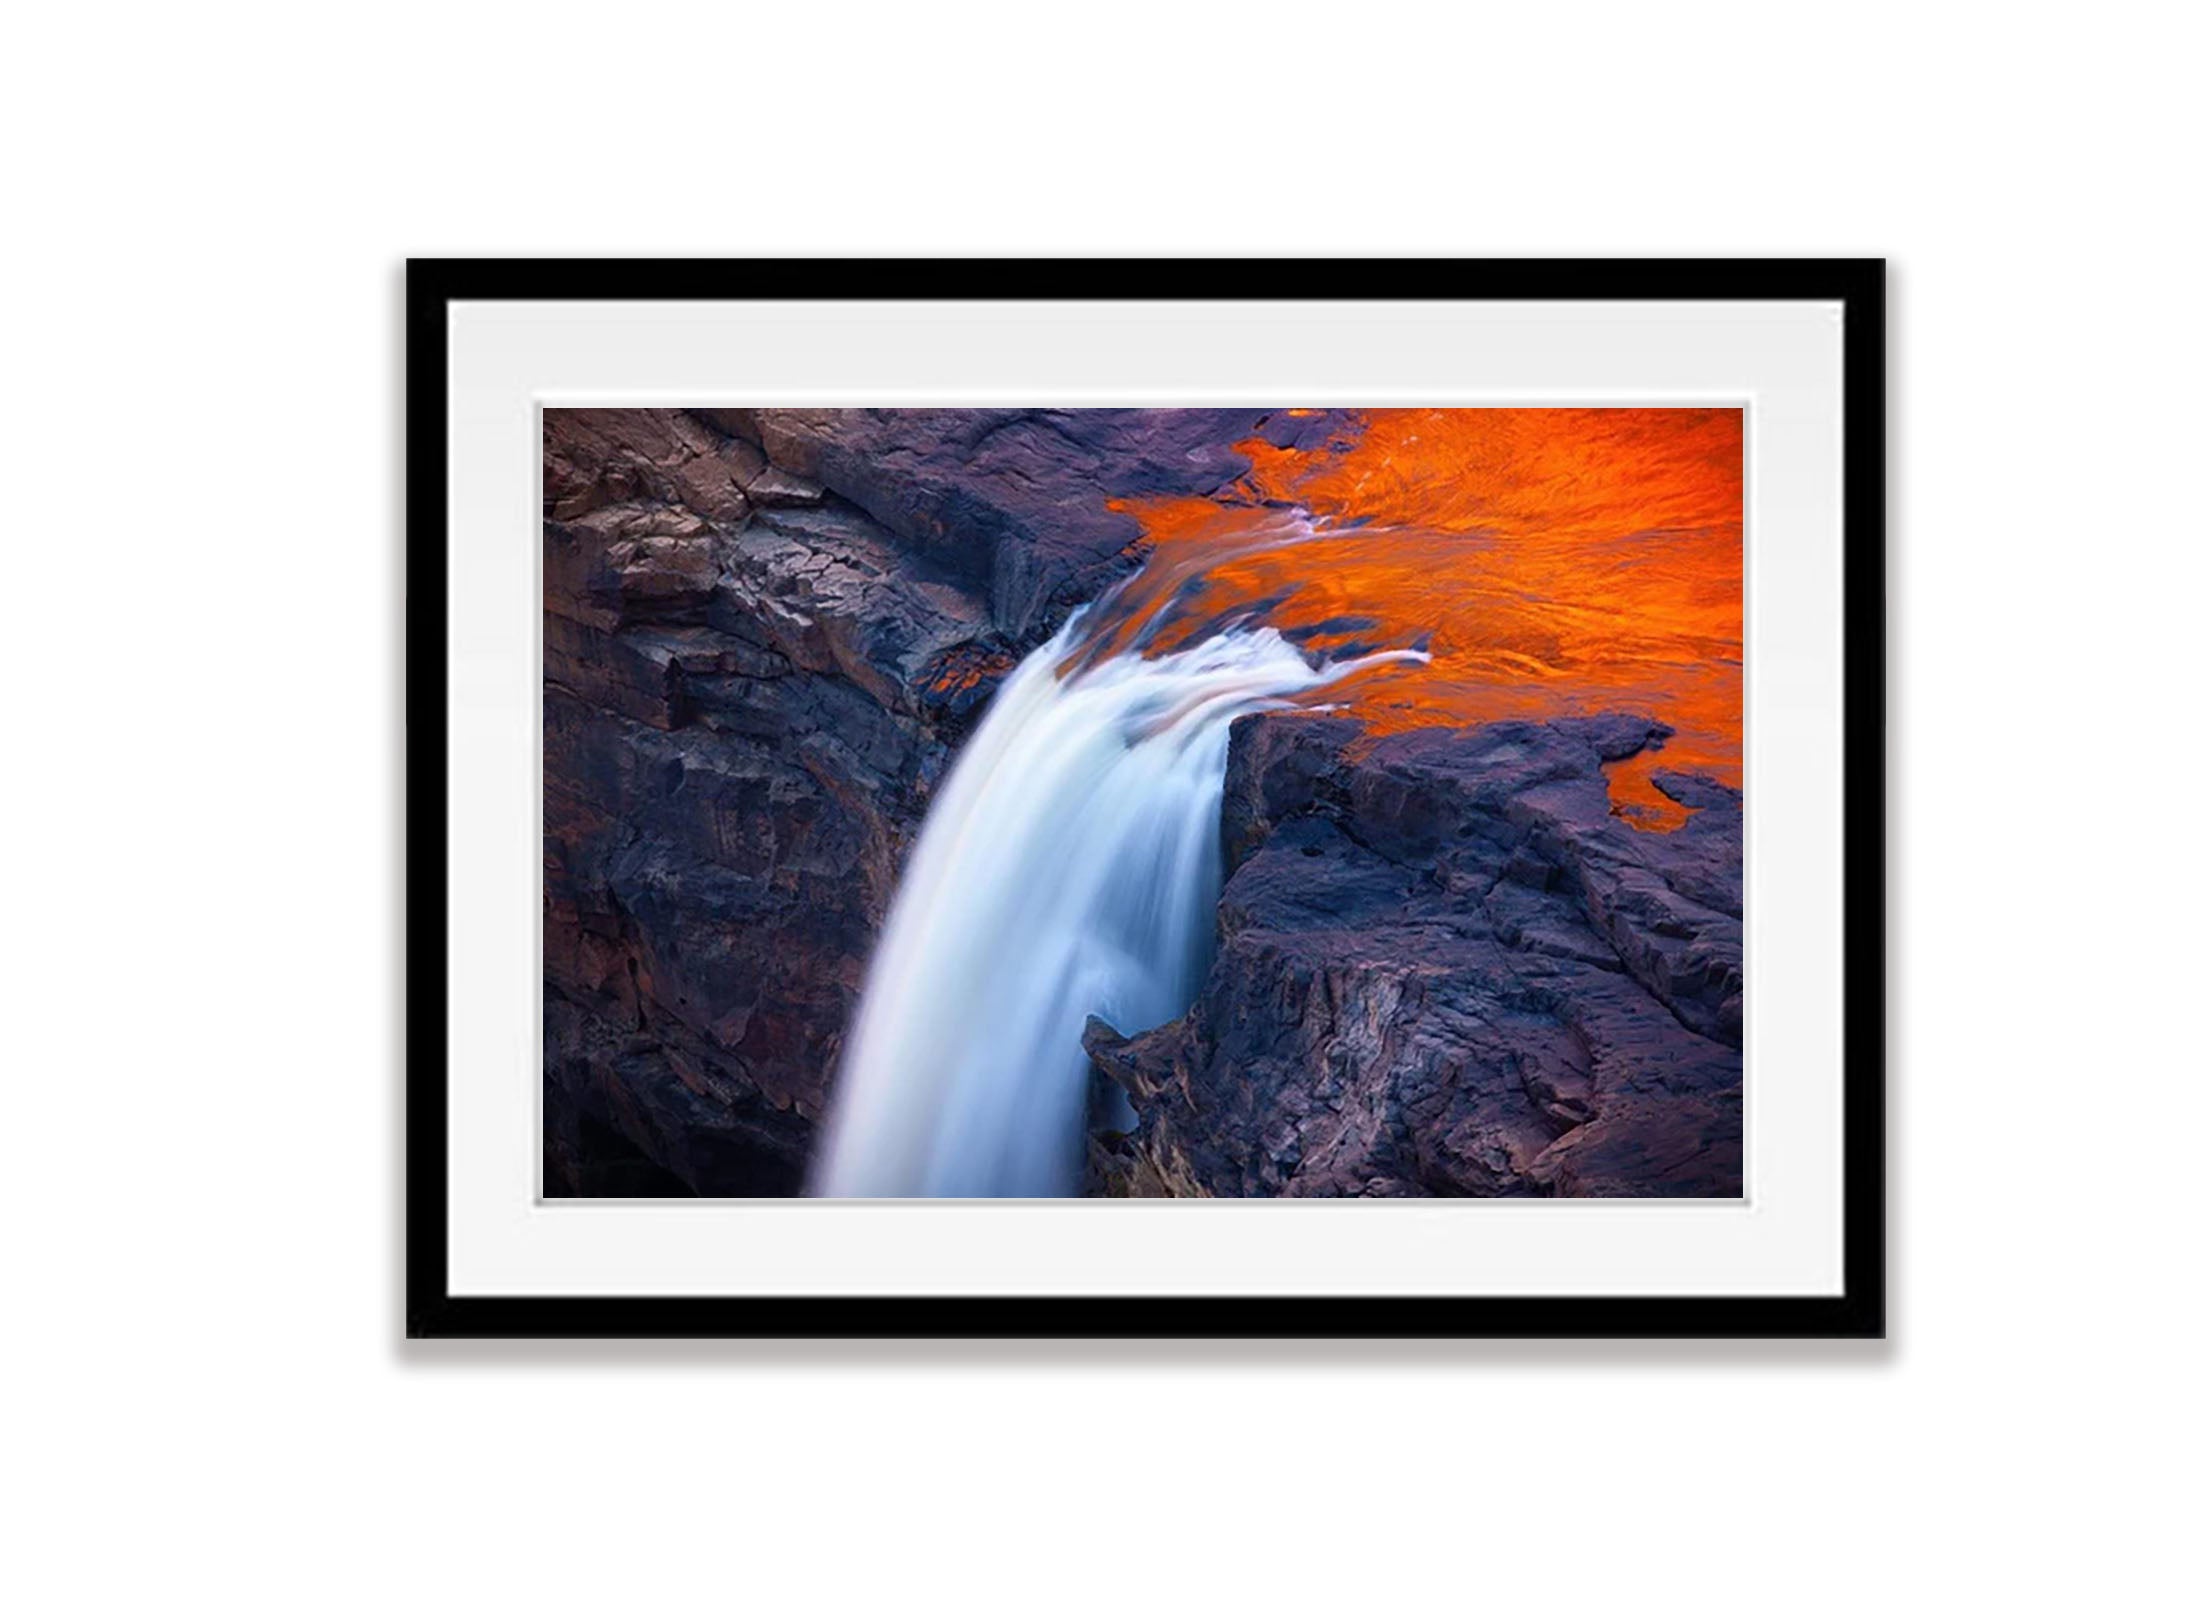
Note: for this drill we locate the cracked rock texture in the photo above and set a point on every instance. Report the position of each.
(1445, 968)
(764, 634)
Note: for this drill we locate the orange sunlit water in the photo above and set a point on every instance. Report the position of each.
(1554, 562)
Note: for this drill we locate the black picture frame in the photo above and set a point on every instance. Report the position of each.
(1859, 1311)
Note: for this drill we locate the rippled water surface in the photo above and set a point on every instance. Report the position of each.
(1553, 562)
(1412, 567)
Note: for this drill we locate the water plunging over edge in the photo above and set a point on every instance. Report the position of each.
(1070, 866)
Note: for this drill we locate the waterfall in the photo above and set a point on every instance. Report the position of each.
(1070, 865)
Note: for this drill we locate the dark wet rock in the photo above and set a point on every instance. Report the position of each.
(1446, 968)
(764, 635)
(1315, 431)
(633, 1112)
(1012, 502)
(772, 487)
(593, 459)
(1331, 629)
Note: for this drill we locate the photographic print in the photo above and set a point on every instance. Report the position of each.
(1101, 803)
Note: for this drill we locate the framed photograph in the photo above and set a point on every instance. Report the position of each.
(1146, 798)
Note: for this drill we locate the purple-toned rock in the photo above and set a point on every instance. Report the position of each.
(1014, 503)
(1446, 968)
(765, 634)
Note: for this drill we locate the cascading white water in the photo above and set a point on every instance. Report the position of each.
(1070, 866)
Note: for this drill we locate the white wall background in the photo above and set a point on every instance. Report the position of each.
(207, 207)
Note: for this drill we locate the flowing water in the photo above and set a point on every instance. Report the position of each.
(1069, 867)
(1555, 561)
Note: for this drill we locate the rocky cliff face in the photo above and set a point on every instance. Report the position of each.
(765, 632)
(1446, 968)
